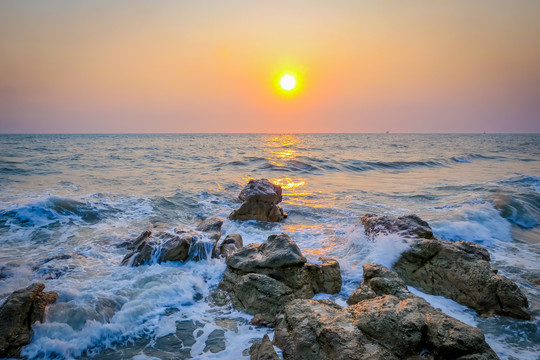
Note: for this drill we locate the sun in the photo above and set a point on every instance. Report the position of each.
(287, 82)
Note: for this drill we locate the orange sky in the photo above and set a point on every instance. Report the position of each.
(208, 66)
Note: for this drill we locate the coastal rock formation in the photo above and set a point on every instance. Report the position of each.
(261, 279)
(20, 310)
(180, 246)
(259, 202)
(407, 226)
(321, 329)
(461, 271)
(407, 325)
(263, 350)
(385, 321)
(231, 244)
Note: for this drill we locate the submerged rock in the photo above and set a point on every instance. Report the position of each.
(261, 279)
(259, 202)
(20, 310)
(407, 226)
(181, 246)
(461, 271)
(263, 350)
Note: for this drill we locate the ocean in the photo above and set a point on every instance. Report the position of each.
(68, 201)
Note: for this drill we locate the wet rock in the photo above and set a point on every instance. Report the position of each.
(232, 243)
(218, 298)
(211, 226)
(263, 350)
(261, 279)
(320, 330)
(461, 271)
(20, 310)
(215, 341)
(407, 325)
(407, 226)
(259, 202)
(277, 251)
(165, 246)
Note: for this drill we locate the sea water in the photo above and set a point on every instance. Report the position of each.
(68, 201)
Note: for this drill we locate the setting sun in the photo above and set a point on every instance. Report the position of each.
(287, 82)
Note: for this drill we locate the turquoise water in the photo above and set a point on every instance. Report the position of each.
(82, 195)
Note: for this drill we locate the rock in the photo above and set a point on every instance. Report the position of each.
(277, 251)
(215, 341)
(461, 271)
(261, 279)
(258, 294)
(261, 190)
(407, 325)
(165, 246)
(407, 226)
(20, 310)
(259, 202)
(263, 350)
(211, 226)
(320, 330)
(232, 243)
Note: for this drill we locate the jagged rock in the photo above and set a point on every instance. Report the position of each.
(261, 190)
(20, 310)
(320, 330)
(261, 279)
(461, 271)
(231, 244)
(407, 325)
(277, 251)
(181, 246)
(263, 350)
(211, 226)
(407, 226)
(259, 202)
(457, 270)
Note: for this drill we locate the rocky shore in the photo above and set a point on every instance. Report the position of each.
(275, 283)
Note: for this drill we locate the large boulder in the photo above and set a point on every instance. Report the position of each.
(263, 350)
(461, 271)
(320, 330)
(181, 246)
(407, 226)
(261, 279)
(259, 202)
(20, 310)
(407, 325)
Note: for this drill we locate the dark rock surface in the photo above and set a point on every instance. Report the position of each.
(407, 226)
(261, 279)
(385, 321)
(406, 324)
(20, 310)
(461, 271)
(259, 202)
(180, 246)
(320, 330)
(263, 350)
(231, 244)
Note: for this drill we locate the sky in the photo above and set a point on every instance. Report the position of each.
(211, 66)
